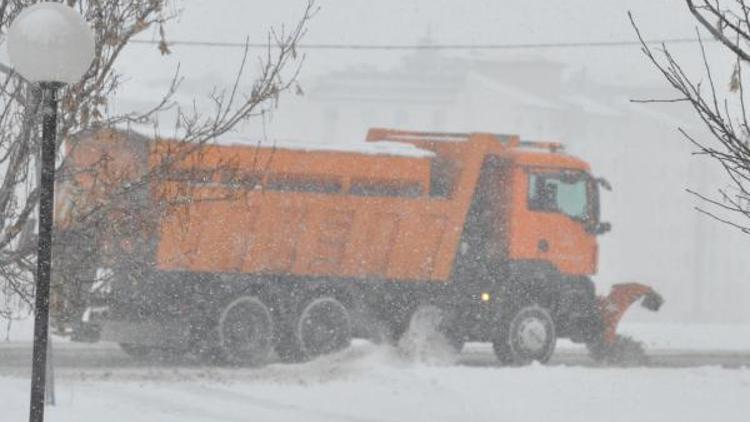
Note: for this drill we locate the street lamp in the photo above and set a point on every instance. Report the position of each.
(49, 44)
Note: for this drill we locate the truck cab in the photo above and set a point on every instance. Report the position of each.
(555, 212)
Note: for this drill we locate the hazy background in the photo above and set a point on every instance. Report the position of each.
(580, 96)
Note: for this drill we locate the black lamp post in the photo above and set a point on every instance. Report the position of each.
(44, 251)
(50, 44)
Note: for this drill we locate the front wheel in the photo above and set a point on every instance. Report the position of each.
(529, 336)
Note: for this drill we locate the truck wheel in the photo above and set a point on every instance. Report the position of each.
(529, 336)
(136, 351)
(324, 326)
(246, 332)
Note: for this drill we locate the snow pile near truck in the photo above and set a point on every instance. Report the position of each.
(423, 341)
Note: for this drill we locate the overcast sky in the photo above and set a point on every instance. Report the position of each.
(409, 22)
(452, 21)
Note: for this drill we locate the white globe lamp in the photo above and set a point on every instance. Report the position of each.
(50, 42)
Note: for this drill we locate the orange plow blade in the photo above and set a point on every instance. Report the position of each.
(620, 298)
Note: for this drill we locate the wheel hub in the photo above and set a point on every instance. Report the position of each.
(532, 334)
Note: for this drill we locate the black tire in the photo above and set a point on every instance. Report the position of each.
(246, 332)
(528, 336)
(323, 326)
(623, 352)
(137, 351)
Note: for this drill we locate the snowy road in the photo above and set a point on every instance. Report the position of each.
(697, 373)
(373, 383)
(71, 357)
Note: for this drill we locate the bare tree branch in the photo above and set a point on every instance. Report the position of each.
(724, 117)
(106, 199)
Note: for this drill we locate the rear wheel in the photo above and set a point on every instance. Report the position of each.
(246, 332)
(137, 351)
(529, 336)
(323, 326)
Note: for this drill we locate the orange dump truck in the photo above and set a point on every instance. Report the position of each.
(301, 249)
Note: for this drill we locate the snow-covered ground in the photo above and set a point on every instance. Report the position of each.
(372, 383)
(694, 337)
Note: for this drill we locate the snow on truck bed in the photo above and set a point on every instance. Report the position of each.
(386, 147)
(394, 148)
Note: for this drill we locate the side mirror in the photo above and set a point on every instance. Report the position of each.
(603, 183)
(599, 228)
(602, 228)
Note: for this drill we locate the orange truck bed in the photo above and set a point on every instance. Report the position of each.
(305, 211)
(321, 213)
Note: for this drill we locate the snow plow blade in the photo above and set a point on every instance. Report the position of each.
(620, 298)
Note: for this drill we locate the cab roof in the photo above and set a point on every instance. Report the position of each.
(546, 159)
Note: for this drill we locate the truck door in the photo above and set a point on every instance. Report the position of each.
(551, 219)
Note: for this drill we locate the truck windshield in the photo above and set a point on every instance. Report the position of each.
(563, 192)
